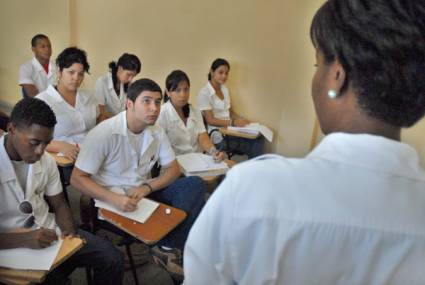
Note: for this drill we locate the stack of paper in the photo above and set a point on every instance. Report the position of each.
(27, 258)
(199, 164)
(254, 128)
(144, 210)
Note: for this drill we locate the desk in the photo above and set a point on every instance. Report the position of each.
(232, 133)
(17, 277)
(154, 229)
(213, 179)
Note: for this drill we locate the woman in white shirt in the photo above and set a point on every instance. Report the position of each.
(183, 123)
(352, 211)
(214, 102)
(76, 110)
(111, 88)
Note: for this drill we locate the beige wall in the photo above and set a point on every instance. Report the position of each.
(266, 42)
(20, 20)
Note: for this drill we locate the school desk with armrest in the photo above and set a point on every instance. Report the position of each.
(24, 277)
(162, 221)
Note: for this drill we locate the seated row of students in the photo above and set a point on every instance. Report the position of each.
(111, 89)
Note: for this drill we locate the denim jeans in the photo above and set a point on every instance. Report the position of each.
(98, 254)
(251, 147)
(187, 194)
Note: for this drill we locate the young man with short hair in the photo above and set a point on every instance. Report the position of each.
(28, 176)
(38, 73)
(121, 152)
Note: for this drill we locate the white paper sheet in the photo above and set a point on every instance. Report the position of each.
(198, 162)
(144, 210)
(31, 259)
(255, 128)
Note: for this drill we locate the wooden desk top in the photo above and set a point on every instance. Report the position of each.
(17, 277)
(154, 229)
(61, 161)
(227, 132)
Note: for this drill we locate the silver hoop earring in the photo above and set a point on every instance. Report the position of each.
(332, 94)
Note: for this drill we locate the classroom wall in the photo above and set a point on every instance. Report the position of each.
(266, 42)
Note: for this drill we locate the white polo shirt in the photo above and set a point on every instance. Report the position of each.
(351, 212)
(108, 155)
(208, 100)
(106, 95)
(42, 179)
(32, 72)
(183, 138)
(73, 122)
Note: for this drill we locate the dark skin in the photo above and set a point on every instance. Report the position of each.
(343, 114)
(28, 144)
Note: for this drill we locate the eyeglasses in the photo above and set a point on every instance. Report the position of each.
(25, 207)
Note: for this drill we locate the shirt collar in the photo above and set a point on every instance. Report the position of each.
(81, 99)
(371, 152)
(110, 82)
(37, 64)
(120, 125)
(210, 88)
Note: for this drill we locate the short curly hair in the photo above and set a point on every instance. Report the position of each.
(381, 46)
(72, 55)
(32, 111)
(137, 87)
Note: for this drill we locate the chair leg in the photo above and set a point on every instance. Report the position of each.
(132, 265)
(89, 276)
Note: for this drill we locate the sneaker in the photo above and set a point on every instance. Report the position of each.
(171, 260)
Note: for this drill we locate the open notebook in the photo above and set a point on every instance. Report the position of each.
(144, 210)
(254, 128)
(198, 164)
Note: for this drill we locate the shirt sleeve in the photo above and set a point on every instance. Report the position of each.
(166, 153)
(53, 186)
(93, 152)
(204, 100)
(207, 254)
(25, 75)
(100, 91)
(200, 126)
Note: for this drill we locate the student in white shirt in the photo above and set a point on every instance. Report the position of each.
(182, 123)
(111, 88)
(38, 73)
(28, 176)
(352, 211)
(214, 102)
(121, 152)
(76, 110)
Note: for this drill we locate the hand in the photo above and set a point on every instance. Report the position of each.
(219, 156)
(125, 203)
(103, 116)
(138, 193)
(41, 238)
(68, 234)
(241, 122)
(70, 151)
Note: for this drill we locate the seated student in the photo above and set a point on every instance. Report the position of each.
(27, 176)
(121, 152)
(214, 102)
(182, 123)
(38, 73)
(352, 211)
(76, 110)
(111, 88)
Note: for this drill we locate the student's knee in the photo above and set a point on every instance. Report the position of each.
(196, 186)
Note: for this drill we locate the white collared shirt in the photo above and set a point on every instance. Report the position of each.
(106, 95)
(42, 179)
(208, 100)
(73, 122)
(108, 155)
(184, 138)
(32, 72)
(351, 212)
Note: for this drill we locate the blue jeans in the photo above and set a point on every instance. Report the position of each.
(187, 194)
(251, 147)
(98, 254)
